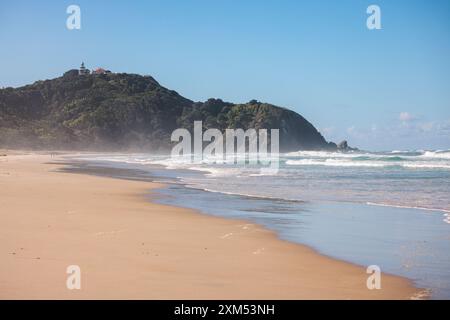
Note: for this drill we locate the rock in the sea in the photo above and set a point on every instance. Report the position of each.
(343, 146)
(332, 146)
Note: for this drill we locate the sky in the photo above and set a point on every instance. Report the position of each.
(386, 89)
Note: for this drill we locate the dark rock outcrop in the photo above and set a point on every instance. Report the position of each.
(344, 147)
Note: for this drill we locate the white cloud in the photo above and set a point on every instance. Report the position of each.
(406, 116)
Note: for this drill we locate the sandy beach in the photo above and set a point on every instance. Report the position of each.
(130, 248)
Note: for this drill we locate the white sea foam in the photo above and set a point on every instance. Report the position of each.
(427, 160)
(368, 163)
(326, 154)
(334, 163)
(241, 194)
(446, 212)
(218, 172)
(408, 207)
(447, 218)
(427, 165)
(440, 154)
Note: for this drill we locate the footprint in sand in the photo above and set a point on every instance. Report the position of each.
(259, 251)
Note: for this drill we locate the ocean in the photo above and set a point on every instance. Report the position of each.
(390, 209)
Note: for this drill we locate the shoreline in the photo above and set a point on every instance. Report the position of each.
(186, 254)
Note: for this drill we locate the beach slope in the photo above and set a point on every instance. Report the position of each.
(129, 248)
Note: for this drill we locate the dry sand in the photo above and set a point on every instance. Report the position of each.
(129, 248)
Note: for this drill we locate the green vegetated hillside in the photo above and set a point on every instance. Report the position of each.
(119, 111)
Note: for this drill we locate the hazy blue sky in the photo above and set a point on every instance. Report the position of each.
(380, 89)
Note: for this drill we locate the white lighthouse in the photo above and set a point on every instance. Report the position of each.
(83, 70)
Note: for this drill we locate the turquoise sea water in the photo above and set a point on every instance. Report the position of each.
(391, 209)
